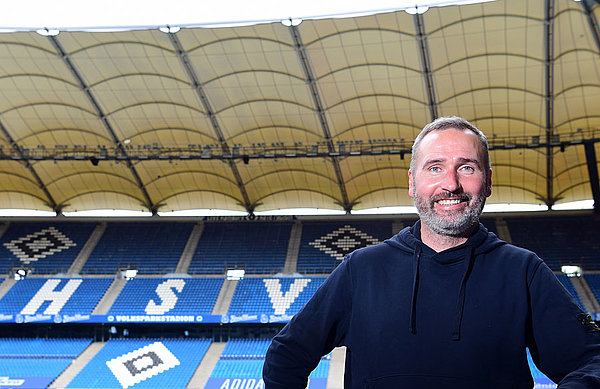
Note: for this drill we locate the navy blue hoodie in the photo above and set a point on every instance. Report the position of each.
(462, 318)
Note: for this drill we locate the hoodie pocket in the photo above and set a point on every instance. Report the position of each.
(402, 381)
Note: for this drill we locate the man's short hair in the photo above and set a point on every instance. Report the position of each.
(450, 122)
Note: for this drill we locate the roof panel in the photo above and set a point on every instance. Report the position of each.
(572, 178)
(371, 177)
(354, 83)
(102, 56)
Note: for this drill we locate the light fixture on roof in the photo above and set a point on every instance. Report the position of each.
(291, 22)
(170, 29)
(48, 31)
(419, 9)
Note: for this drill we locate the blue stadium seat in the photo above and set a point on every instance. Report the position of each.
(242, 360)
(257, 247)
(47, 248)
(324, 244)
(150, 247)
(37, 362)
(182, 296)
(593, 281)
(273, 296)
(554, 240)
(143, 363)
(52, 296)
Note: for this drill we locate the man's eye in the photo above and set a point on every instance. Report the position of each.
(434, 169)
(468, 168)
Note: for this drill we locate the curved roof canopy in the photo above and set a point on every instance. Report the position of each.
(320, 114)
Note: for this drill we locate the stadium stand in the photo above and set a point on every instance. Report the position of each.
(259, 248)
(273, 296)
(552, 238)
(324, 244)
(175, 296)
(45, 248)
(149, 247)
(242, 361)
(34, 363)
(593, 281)
(145, 363)
(65, 296)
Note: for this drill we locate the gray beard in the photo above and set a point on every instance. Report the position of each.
(459, 224)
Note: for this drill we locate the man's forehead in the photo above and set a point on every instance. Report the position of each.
(463, 144)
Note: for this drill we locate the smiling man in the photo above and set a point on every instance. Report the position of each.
(472, 303)
(454, 178)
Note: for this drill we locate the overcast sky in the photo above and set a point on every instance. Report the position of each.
(79, 14)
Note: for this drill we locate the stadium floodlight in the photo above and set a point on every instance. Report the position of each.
(571, 270)
(417, 10)
(170, 29)
(235, 274)
(48, 31)
(291, 22)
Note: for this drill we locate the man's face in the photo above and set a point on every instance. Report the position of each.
(450, 181)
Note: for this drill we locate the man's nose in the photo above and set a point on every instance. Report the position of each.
(451, 181)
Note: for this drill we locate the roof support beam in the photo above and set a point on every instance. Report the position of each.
(104, 119)
(592, 165)
(312, 84)
(29, 166)
(549, 88)
(185, 62)
(592, 21)
(426, 62)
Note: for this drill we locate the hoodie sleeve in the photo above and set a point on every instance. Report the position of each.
(566, 341)
(313, 332)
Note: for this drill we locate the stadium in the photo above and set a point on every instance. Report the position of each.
(170, 196)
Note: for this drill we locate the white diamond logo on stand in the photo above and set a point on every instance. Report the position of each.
(343, 241)
(139, 365)
(38, 245)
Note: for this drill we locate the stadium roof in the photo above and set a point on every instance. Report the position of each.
(317, 114)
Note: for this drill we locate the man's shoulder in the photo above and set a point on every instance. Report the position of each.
(511, 254)
(374, 253)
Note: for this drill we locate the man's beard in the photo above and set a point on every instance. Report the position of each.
(458, 223)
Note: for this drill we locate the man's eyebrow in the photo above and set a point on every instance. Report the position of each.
(459, 160)
(434, 160)
(475, 162)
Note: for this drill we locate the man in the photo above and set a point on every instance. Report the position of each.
(444, 303)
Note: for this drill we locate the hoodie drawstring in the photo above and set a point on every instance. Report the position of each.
(413, 303)
(461, 294)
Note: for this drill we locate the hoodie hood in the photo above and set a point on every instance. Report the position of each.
(409, 240)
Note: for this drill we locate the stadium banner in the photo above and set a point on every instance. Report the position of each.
(25, 382)
(162, 319)
(108, 319)
(255, 318)
(255, 383)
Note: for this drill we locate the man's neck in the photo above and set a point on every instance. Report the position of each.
(440, 242)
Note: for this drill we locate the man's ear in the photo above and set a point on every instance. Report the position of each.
(411, 190)
(488, 189)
